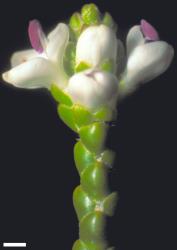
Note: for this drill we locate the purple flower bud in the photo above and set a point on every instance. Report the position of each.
(149, 31)
(36, 36)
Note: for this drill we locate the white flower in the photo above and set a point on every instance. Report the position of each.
(92, 88)
(43, 65)
(96, 44)
(147, 57)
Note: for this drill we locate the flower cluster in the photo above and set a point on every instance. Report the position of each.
(86, 61)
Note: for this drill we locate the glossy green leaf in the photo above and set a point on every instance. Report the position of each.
(80, 245)
(107, 157)
(93, 136)
(60, 96)
(104, 114)
(94, 180)
(92, 227)
(83, 158)
(83, 204)
(95, 245)
(66, 116)
(81, 115)
(109, 203)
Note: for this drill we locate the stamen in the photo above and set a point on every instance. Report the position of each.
(149, 31)
(36, 36)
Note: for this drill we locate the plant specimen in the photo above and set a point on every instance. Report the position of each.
(88, 71)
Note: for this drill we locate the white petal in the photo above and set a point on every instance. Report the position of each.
(134, 38)
(92, 88)
(58, 40)
(35, 73)
(145, 63)
(96, 44)
(22, 56)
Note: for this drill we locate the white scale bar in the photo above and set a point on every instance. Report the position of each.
(6, 244)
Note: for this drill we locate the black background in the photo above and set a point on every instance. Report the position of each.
(37, 174)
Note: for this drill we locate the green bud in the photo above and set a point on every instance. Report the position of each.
(60, 96)
(69, 58)
(81, 67)
(90, 14)
(66, 115)
(108, 21)
(76, 23)
(94, 180)
(92, 227)
(82, 202)
(82, 157)
(93, 136)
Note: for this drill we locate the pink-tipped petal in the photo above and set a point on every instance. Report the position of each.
(149, 31)
(36, 36)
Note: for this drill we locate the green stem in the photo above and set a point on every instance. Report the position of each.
(92, 199)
